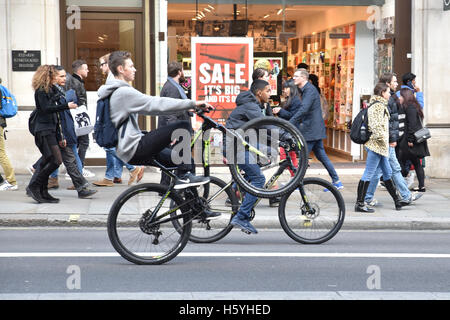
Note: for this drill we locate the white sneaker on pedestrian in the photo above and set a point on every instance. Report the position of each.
(87, 173)
(6, 186)
(372, 203)
(67, 177)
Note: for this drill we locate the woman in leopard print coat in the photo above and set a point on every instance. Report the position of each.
(377, 149)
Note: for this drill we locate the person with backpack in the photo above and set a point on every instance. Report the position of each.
(377, 149)
(8, 109)
(134, 146)
(393, 104)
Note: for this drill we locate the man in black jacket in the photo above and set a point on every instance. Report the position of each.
(249, 106)
(173, 89)
(309, 120)
(76, 82)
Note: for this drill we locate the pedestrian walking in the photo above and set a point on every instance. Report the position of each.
(114, 166)
(67, 146)
(75, 81)
(393, 105)
(409, 82)
(48, 135)
(409, 148)
(290, 107)
(377, 149)
(263, 74)
(309, 120)
(5, 163)
(172, 89)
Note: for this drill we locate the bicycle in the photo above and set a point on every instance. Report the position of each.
(316, 213)
(141, 217)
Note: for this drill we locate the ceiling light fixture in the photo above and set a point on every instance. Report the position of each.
(280, 11)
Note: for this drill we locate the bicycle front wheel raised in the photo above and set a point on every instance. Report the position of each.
(144, 238)
(313, 213)
(277, 147)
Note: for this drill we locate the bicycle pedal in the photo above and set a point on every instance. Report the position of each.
(246, 231)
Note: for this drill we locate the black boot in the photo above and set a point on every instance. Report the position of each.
(392, 189)
(40, 179)
(360, 206)
(45, 195)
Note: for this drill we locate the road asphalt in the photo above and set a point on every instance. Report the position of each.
(431, 212)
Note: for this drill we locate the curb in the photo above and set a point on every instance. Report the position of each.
(351, 223)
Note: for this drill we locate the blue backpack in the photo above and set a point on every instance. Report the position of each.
(9, 105)
(106, 134)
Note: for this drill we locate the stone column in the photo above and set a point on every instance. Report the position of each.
(430, 62)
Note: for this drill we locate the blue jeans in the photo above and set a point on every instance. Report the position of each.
(77, 158)
(114, 166)
(316, 146)
(254, 175)
(396, 177)
(373, 162)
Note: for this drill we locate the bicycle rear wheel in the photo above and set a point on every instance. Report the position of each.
(268, 141)
(315, 218)
(140, 239)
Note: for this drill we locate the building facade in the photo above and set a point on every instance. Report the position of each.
(347, 44)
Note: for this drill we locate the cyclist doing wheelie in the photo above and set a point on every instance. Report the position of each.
(250, 105)
(134, 146)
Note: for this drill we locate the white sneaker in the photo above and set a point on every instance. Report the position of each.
(87, 173)
(6, 186)
(67, 177)
(13, 187)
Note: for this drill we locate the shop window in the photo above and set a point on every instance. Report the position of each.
(99, 37)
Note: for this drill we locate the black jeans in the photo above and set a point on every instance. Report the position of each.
(155, 145)
(83, 145)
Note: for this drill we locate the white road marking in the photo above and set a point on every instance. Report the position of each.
(235, 254)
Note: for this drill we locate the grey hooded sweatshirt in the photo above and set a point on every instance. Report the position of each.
(127, 103)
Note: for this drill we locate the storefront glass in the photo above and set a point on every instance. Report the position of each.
(345, 43)
(99, 37)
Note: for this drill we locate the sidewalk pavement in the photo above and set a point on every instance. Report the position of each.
(431, 212)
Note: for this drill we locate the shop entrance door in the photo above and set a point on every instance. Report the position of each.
(101, 33)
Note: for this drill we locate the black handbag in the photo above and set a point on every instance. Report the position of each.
(422, 134)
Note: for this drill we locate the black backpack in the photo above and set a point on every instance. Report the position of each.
(106, 134)
(359, 132)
